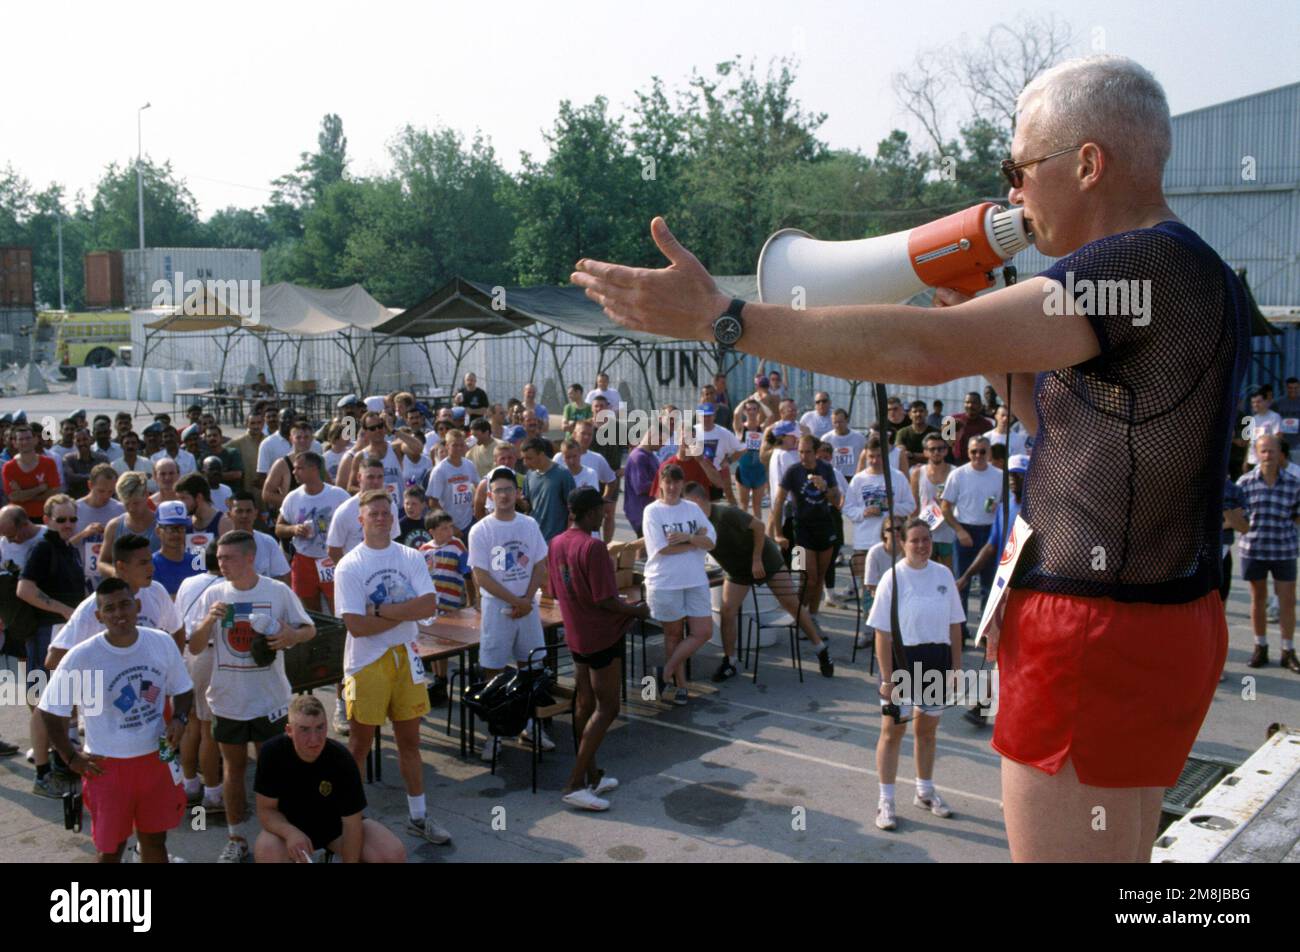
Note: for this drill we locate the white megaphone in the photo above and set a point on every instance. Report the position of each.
(959, 251)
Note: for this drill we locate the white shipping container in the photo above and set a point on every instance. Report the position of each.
(141, 269)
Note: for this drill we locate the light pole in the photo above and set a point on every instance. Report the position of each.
(139, 171)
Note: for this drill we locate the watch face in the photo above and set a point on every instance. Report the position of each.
(727, 329)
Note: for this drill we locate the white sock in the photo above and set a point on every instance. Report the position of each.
(1261, 641)
(340, 706)
(212, 793)
(1288, 645)
(239, 830)
(416, 807)
(886, 793)
(924, 788)
(192, 785)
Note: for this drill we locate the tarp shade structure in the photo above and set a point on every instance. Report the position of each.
(480, 308)
(286, 313)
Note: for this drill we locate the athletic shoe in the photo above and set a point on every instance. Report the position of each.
(885, 815)
(427, 829)
(31, 755)
(680, 697)
(526, 737)
(725, 670)
(824, 661)
(235, 851)
(934, 804)
(584, 799)
(1289, 661)
(831, 600)
(60, 767)
(490, 749)
(7, 749)
(975, 715)
(863, 642)
(50, 786)
(1259, 658)
(606, 785)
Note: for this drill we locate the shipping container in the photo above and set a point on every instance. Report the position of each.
(156, 277)
(16, 287)
(17, 330)
(104, 279)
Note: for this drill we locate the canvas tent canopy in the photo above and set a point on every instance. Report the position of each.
(256, 329)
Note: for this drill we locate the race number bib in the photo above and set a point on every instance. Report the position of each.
(932, 515)
(462, 494)
(754, 440)
(196, 546)
(91, 558)
(325, 569)
(1290, 425)
(417, 666)
(843, 457)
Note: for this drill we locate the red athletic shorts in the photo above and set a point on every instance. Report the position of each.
(1119, 688)
(133, 794)
(304, 579)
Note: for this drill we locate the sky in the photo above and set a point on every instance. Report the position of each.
(237, 89)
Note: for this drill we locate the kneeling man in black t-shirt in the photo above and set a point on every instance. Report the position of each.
(309, 797)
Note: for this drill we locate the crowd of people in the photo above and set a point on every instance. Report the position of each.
(179, 565)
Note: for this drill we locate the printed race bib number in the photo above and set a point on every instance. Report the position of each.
(843, 457)
(325, 569)
(417, 666)
(278, 714)
(1290, 425)
(92, 557)
(462, 495)
(753, 441)
(991, 620)
(196, 545)
(932, 515)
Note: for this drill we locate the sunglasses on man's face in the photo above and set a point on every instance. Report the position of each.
(375, 426)
(979, 452)
(1012, 171)
(65, 520)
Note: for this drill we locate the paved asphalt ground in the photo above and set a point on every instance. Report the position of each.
(774, 772)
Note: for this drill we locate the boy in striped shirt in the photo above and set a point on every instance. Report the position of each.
(448, 562)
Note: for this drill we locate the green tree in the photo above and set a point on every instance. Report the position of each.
(171, 217)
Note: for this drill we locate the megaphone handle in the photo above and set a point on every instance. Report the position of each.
(973, 284)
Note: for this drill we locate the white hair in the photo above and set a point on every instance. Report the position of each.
(1107, 99)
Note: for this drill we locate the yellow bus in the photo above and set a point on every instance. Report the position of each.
(89, 339)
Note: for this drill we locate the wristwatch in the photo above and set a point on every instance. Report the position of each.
(183, 718)
(728, 328)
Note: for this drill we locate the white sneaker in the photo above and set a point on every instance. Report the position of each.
(490, 749)
(526, 738)
(235, 851)
(584, 799)
(831, 599)
(605, 786)
(862, 642)
(429, 829)
(885, 815)
(934, 804)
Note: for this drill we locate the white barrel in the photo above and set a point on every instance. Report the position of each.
(201, 378)
(134, 377)
(83, 381)
(769, 611)
(153, 384)
(168, 386)
(98, 386)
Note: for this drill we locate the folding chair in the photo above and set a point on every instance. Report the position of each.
(755, 626)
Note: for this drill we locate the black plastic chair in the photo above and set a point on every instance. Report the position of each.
(755, 626)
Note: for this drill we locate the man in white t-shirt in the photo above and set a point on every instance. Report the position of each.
(133, 564)
(372, 440)
(120, 680)
(864, 504)
(346, 531)
(1263, 421)
(1012, 436)
(970, 500)
(270, 560)
(818, 421)
(185, 461)
(252, 620)
(718, 445)
(603, 389)
(452, 482)
(383, 589)
(846, 445)
(508, 555)
(304, 519)
(199, 751)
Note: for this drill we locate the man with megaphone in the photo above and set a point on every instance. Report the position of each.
(1112, 630)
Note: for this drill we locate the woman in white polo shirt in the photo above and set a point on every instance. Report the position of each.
(929, 621)
(677, 534)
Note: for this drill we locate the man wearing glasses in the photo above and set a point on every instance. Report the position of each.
(818, 421)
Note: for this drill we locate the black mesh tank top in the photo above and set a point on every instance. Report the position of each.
(1125, 485)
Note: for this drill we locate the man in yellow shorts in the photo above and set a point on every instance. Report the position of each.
(381, 590)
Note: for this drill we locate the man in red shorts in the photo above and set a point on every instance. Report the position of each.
(121, 680)
(1113, 635)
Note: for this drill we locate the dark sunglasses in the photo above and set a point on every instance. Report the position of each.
(821, 401)
(1011, 170)
(64, 520)
(375, 426)
(979, 452)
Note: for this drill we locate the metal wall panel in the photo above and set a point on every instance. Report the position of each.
(140, 269)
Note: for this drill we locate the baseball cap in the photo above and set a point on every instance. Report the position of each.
(374, 404)
(705, 409)
(351, 400)
(458, 413)
(172, 513)
(786, 428)
(154, 428)
(20, 416)
(1018, 463)
(503, 472)
(190, 431)
(513, 434)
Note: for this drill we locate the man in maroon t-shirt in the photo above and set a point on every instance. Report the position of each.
(969, 424)
(29, 478)
(582, 577)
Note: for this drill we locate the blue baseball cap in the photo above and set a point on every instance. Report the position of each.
(786, 428)
(705, 409)
(173, 513)
(1018, 464)
(513, 434)
(458, 413)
